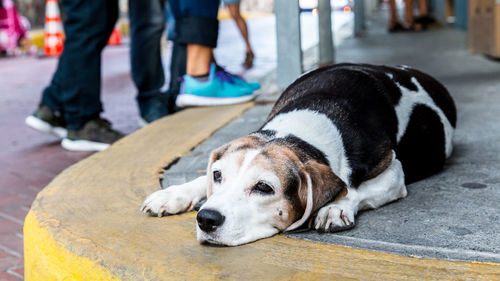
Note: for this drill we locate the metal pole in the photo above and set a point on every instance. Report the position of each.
(288, 41)
(326, 47)
(437, 9)
(359, 16)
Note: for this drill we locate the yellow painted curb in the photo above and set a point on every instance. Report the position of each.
(86, 225)
(47, 260)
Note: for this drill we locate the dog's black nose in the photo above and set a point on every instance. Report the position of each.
(209, 220)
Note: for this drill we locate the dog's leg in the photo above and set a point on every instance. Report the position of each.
(371, 194)
(176, 199)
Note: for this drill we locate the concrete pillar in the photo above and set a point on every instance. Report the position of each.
(288, 41)
(326, 47)
(461, 14)
(437, 9)
(359, 17)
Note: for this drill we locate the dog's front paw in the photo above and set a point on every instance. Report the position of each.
(168, 201)
(333, 217)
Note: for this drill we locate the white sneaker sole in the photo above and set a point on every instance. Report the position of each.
(44, 127)
(83, 145)
(184, 100)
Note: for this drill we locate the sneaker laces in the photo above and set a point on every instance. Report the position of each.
(226, 76)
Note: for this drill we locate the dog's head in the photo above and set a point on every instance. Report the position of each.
(258, 188)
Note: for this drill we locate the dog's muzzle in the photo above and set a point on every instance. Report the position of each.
(209, 220)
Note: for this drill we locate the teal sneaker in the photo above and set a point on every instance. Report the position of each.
(237, 79)
(221, 88)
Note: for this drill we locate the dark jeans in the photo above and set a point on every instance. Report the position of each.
(75, 87)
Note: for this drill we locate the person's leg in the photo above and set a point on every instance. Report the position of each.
(234, 11)
(423, 8)
(423, 19)
(393, 12)
(147, 23)
(75, 87)
(197, 28)
(177, 70)
(409, 19)
(198, 61)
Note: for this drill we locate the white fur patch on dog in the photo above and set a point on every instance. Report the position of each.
(319, 131)
(371, 194)
(409, 99)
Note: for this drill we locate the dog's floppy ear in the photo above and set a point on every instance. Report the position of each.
(319, 185)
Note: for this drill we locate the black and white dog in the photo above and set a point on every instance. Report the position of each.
(340, 139)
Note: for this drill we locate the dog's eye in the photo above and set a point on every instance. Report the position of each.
(263, 188)
(217, 176)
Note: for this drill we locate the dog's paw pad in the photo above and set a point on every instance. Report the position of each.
(332, 218)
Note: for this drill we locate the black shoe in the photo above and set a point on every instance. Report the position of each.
(46, 120)
(155, 107)
(95, 135)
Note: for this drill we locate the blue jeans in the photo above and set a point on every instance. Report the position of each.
(76, 84)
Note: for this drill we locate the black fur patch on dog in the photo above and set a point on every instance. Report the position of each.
(360, 100)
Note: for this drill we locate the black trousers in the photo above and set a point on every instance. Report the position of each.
(76, 85)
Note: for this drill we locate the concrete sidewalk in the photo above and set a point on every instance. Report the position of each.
(453, 215)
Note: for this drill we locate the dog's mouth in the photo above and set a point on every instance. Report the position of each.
(212, 243)
(216, 238)
(208, 240)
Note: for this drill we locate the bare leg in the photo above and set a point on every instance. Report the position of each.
(198, 60)
(176, 199)
(234, 11)
(393, 14)
(423, 7)
(409, 19)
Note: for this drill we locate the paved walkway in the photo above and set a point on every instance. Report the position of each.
(30, 160)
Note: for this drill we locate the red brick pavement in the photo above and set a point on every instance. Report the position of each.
(30, 160)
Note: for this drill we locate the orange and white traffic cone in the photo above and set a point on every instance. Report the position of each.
(53, 38)
(115, 38)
